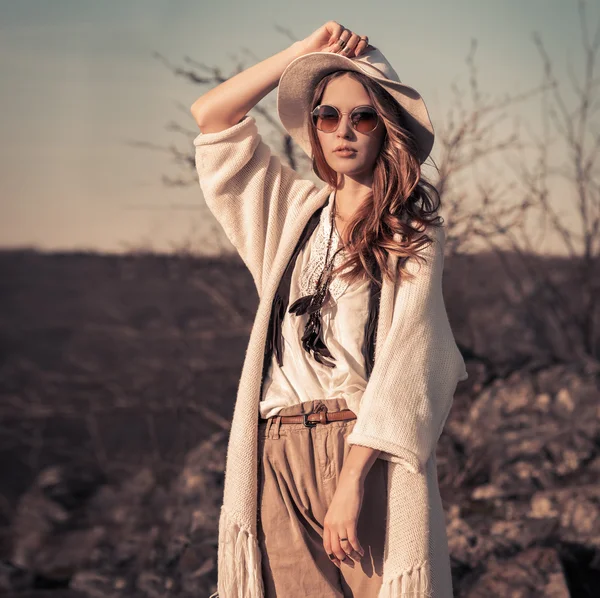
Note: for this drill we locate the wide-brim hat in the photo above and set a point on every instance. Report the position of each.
(297, 83)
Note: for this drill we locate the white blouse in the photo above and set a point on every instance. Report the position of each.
(344, 315)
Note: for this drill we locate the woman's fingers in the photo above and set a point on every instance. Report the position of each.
(327, 546)
(351, 44)
(336, 31)
(342, 35)
(361, 46)
(347, 550)
(352, 546)
(339, 552)
(342, 40)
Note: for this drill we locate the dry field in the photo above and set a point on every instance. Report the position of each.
(117, 384)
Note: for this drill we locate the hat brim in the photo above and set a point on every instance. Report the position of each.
(296, 87)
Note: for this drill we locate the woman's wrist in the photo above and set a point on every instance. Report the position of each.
(359, 461)
(229, 101)
(299, 48)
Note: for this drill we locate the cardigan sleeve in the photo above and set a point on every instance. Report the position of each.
(250, 192)
(411, 389)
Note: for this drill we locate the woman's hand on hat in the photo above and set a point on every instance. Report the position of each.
(327, 39)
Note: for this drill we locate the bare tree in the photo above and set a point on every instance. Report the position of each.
(485, 208)
(563, 312)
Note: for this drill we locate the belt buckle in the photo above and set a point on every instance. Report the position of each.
(307, 423)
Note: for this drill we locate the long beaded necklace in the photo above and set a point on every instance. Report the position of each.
(311, 304)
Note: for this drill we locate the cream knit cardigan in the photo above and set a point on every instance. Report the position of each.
(263, 206)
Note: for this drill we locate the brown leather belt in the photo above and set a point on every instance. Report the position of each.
(310, 420)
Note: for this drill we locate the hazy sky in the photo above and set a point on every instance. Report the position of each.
(89, 114)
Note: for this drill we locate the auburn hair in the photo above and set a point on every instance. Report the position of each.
(400, 192)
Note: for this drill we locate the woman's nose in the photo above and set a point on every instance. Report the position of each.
(345, 125)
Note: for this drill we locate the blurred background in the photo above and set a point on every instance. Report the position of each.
(125, 311)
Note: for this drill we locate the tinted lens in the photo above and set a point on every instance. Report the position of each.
(326, 118)
(364, 119)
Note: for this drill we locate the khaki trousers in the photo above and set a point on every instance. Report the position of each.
(299, 468)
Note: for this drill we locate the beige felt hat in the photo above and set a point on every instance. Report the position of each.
(299, 79)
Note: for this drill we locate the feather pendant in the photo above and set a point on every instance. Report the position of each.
(312, 342)
(301, 305)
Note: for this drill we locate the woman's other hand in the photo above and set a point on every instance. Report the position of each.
(327, 39)
(341, 522)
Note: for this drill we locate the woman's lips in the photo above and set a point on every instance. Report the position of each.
(345, 153)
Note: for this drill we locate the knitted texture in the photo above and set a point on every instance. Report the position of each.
(410, 392)
(251, 192)
(263, 206)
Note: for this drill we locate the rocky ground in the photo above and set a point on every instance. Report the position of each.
(111, 467)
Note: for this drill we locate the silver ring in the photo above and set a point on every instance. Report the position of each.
(340, 40)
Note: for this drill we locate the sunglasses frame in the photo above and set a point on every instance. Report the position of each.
(340, 114)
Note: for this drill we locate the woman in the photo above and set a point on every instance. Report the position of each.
(330, 482)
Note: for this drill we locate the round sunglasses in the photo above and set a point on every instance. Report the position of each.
(327, 118)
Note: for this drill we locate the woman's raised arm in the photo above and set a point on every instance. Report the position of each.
(225, 105)
(247, 188)
(251, 193)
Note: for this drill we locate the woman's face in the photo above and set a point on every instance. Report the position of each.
(345, 93)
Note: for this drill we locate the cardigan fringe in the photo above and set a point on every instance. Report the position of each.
(414, 583)
(239, 570)
(245, 564)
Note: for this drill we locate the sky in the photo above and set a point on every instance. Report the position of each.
(95, 119)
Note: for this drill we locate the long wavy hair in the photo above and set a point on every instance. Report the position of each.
(400, 192)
